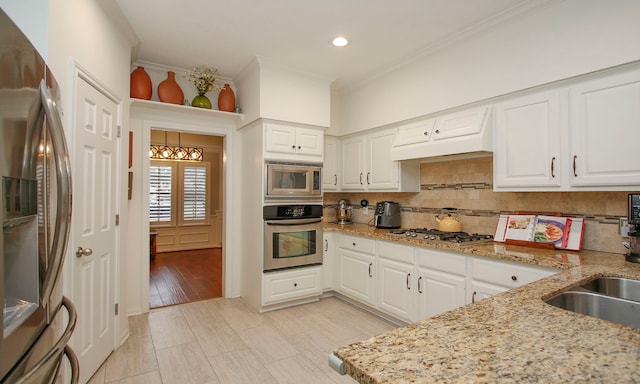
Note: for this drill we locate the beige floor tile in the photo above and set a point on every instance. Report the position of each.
(267, 343)
(295, 370)
(134, 357)
(238, 314)
(139, 325)
(217, 338)
(169, 327)
(152, 377)
(185, 364)
(201, 312)
(240, 366)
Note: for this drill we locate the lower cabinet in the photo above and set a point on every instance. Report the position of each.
(355, 259)
(441, 281)
(291, 284)
(395, 280)
(490, 277)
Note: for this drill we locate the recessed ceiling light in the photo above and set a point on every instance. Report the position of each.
(340, 41)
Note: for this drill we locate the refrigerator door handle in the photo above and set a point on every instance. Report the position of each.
(63, 176)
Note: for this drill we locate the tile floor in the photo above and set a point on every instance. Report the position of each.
(225, 341)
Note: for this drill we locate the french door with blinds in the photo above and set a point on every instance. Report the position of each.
(178, 193)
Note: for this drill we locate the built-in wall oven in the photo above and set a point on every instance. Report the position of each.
(293, 182)
(292, 236)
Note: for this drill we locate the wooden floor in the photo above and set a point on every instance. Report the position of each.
(185, 276)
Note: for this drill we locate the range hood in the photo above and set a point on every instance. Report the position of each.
(464, 134)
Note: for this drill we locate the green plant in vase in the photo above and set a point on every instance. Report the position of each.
(204, 79)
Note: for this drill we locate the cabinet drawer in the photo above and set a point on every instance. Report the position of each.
(288, 285)
(398, 252)
(507, 274)
(358, 244)
(442, 261)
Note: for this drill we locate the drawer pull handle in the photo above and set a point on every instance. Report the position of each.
(368, 174)
(408, 277)
(335, 179)
(370, 266)
(575, 157)
(360, 178)
(473, 297)
(553, 162)
(326, 245)
(419, 288)
(514, 278)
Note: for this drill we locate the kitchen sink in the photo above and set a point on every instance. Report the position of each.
(617, 310)
(615, 286)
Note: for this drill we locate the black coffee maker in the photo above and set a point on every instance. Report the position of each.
(634, 230)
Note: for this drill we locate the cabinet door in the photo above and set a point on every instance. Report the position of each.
(355, 275)
(527, 139)
(605, 131)
(328, 260)
(467, 122)
(330, 164)
(414, 133)
(280, 138)
(382, 172)
(309, 142)
(479, 290)
(289, 285)
(439, 292)
(353, 169)
(395, 288)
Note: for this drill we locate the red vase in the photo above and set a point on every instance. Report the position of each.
(141, 87)
(169, 91)
(227, 99)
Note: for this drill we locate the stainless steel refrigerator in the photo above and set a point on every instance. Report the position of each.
(35, 211)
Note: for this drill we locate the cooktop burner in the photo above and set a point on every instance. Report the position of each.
(437, 235)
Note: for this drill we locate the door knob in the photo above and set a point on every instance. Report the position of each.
(83, 252)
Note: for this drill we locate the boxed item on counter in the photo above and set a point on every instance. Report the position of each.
(559, 231)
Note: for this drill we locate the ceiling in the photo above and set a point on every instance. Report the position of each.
(229, 34)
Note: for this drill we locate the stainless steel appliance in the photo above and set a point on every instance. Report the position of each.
(634, 233)
(292, 236)
(436, 235)
(344, 212)
(35, 201)
(387, 215)
(292, 182)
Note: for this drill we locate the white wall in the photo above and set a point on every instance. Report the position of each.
(81, 34)
(560, 40)
(32, 18)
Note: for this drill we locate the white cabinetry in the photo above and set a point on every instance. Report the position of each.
(579, 137)
(395, 280)
(328, 260)
(356, 267)
(289, 142)
(367, 166)
(462, 132)
(330, 167)
(605, 131)
(289, 285)
(489, 277)
(441, 281)
(528, 141)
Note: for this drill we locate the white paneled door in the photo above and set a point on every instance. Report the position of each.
(94, 225)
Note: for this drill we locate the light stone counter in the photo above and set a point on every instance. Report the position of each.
(513, 337)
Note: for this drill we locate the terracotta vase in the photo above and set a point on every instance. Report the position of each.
(201, 101)
(169, 91)
(227, 99)
(140, 87)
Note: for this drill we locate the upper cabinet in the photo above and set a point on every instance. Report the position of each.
(367, 166)
(463, 132)
(580, 137)
(286, 142)
(330, 167)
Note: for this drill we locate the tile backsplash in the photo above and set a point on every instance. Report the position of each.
(467, 186)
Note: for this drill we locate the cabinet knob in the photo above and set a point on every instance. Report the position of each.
(425, 133)
(514, 277)
(293, 147)
(299, 147)
(354, 244)
(437, 131)
(295, 284)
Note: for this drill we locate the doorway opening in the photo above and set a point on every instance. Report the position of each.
(185, 219)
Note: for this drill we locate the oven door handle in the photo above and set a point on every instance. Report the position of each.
(291, 222)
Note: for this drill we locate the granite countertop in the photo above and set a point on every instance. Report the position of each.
(512, 337)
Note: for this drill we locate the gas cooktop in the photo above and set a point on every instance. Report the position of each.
(461, 238)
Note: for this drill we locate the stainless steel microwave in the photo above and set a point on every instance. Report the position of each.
(293, 182)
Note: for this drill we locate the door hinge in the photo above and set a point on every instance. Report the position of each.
(117, 219)
(119, 130)
(116, 309)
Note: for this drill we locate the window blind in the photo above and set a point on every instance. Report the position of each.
(194, 194)
(160, 193)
